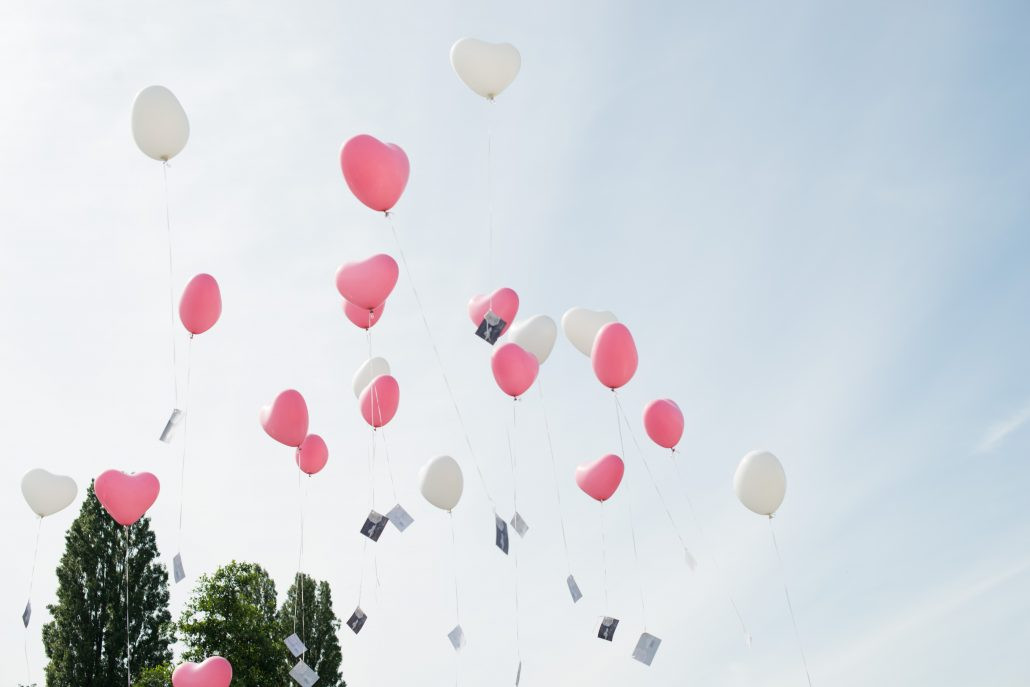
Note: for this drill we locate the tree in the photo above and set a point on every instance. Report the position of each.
(232, 614)
(86, 639)
(158, 676)
(317, 626)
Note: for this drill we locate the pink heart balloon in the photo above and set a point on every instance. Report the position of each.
(614, 355)
(663, 421)
(376, 172)
(515, 369)
(286, 420)
(201, 304)
(367, 283)
(126, 497)
(379, 400)
(504, 302)
(601, 478)
(312, 454)
(214, 672)
(363, 317)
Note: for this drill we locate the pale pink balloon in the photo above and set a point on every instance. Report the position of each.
(600, 479)
(201, 304)
(367, 283)
(363, 317)
(214, 672)
(379, 400)
(614, 355)
(515, 369)
(286, 420)
(376, 172)
(663, 421)
(126, 497)
(312, 454)
(504, 302)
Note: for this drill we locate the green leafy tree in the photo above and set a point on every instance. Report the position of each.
(317, 625)
(86, 639)
(158, 676)
(232, 613)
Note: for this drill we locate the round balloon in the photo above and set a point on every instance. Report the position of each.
(376, 172)
(537, 335)
(614, 355)
(441, 482)
(201, 304)
(213, 672)
(760, 482)
(367, 283)
(286, 420)
(369, 370)
(47, 493)
(126, 497)
(581, 326)
(600, 479)
(159, 123)
(312, 454)
(514, 369)
(379, 400)
(486, 68)
(663, 421)
(363, 317)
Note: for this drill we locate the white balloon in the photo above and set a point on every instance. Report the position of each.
(581, 326)
(159, 123)
(441, 482)
(537, 335)
(760, 482)
(369, 370)
(486, 68)
(47, 493)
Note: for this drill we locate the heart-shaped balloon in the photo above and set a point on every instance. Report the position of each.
(600, 479)
(504, 302)
(486, 68)
(312, 454)
(214, 672)
(47, 493)
(581, 326)
(614, 356)
(367, 283)
(126, 497)
(369, 370)
(379, 400)
(201, 304)
(663, 421)
(514, 368)
(286, 420)
(376, 172)
(537, 335)
(363, 317)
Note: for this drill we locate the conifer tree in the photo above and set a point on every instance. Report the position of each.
(317, 626)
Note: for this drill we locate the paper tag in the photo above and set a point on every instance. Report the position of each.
(573, 589)
(294, 644)
(519, 524)
(357, 620)
(647, 647)
(607, 629)
(490, 328)
(27, 613)
(518, 674)
(173, 422)
(691, 561)
(400, 518)
(303, 674)
(177, 570)
(457, 637)
(501, 538)
(374, 525)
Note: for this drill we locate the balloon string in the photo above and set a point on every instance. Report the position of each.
(185, 416)
(457, 607)
(604, 559)
(515, 502)
(439, 361)
(32, 579)
(632, 520)
(302, 498)
(790, 606)
(554, 473)
(128, 647)
(386, 446)
(171, 285)
(490, 193)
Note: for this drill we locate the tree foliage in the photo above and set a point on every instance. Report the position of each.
(315, 622)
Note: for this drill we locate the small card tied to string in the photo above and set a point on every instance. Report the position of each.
(174, 421)
(519, 524)
(491, 327)
(374, 525)
(518, 675)
(607, 629)
(26, 614)
(178, 572)
(400, 518)
(303, 674)
(647, 647)
(457, 637)
(294, 644)
(357, 620)
(573, 589)
(501, 538)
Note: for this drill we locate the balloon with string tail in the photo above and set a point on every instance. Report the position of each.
(599, 480)
(126, 497)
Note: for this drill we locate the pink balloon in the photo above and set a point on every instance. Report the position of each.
(601, 478)
(214, 672)
(286, 420)
(363, 317)
(379, 400)
(201, 304)
(376, 172)
(515, 369)
(614, 355)
(126, 497)
(504, 302)
(312, 454)
(663, 421)
(367, 283)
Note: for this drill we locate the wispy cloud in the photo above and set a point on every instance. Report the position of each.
(999, 431)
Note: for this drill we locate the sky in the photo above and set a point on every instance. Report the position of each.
(813, 216)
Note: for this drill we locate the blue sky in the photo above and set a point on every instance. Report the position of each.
(813, 217)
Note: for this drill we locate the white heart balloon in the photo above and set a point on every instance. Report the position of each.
(760, 482)
(581, 326)
(159, 123)
(369, 370)
(537, 335)
(47, 493)
(441, 482)
(486, 68)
